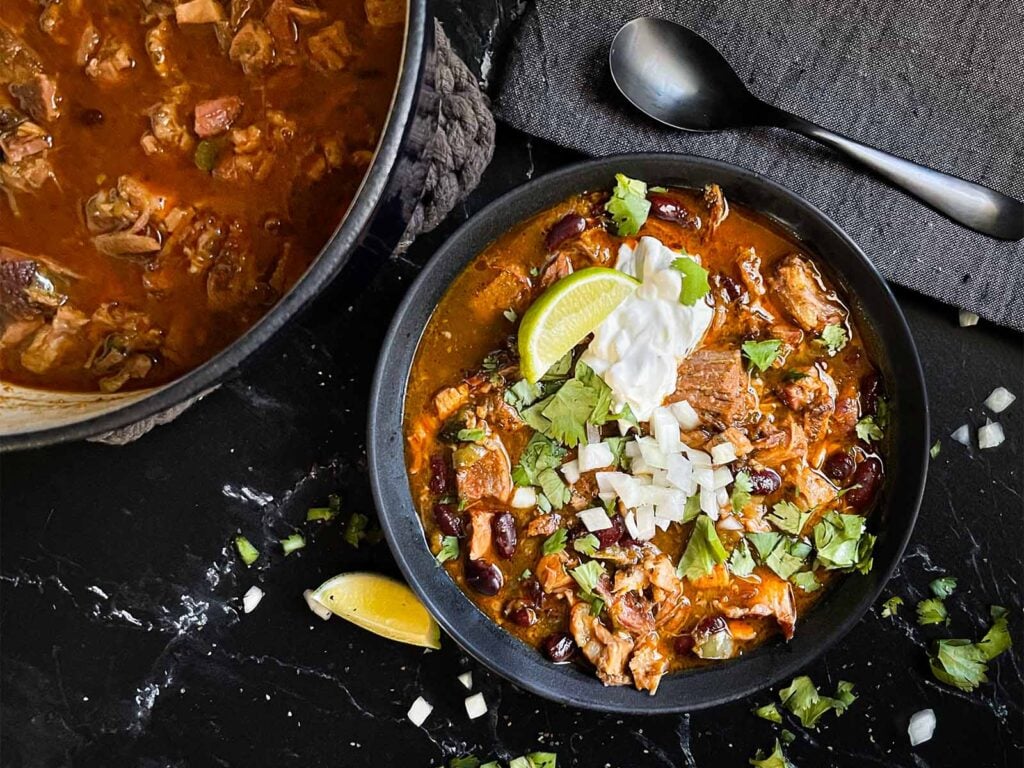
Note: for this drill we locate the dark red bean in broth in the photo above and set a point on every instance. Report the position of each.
(839, 467)
(864, 483)
(440, 475)
(765, 481)
(91, 117)
(483, 577)
(523, 616)
(667, 209)
(559, 647)
(610, 536)
(870, 393)
(683, 644)
(730, 287)
(449, 521)
(569, 226)
(533, 592)
(503, 528)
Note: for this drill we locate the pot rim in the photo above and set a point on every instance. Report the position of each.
(885, 328)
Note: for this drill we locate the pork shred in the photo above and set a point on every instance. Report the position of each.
(798, 288)
(713, 382)
(488, 475)
(214, 116)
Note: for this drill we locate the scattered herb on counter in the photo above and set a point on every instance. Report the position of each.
(325, 513)
(628, 205)
(803, 700)
(695, 280)
(555, 542)
(762, 354)
(891, 607)
(936, 449)
(246, 550)
(769, 712)
(833, 338)
(703, 552)
(777, 759)
(741, 491)
(293, 543)
(944, 587)
(787, 736)
(963, 664)
(355, 529)
(449, 549)
(932, 611)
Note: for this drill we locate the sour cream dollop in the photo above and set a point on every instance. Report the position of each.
(639, 346)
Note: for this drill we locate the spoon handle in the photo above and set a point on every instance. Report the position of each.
(976, 207)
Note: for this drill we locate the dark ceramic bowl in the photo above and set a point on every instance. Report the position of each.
(886, 333)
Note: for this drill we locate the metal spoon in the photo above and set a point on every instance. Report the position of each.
(677, 77)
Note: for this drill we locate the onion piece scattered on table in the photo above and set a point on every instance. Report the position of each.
(1000, 399)
(922, 726)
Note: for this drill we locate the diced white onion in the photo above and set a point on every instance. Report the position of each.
(645, 522)
(671, 505)
(729, 523)
(962, 435)
(419, 711)
(593, 433)
(651, 452)
(595, 456)
(665, 429)
(922, 726)
(723, 453)
(662, 522)
(571, 471)
(595, 519)
(607, 498)
(476, 706)
(632, 449)
(659, 477)
(605, 482)
(524, 497)
(722, 496)
(699, 458)
(316, 606)
(628, 489)
(630, 521)
(251, 599)
(991, 435)
(709, 502)
(721, 477)
(466, 678)
(639, 466)
(967, 318)
(685, 415)
(704, 476)
(1000, 399)
(679, 472)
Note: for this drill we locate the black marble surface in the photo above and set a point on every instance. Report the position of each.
(123, 641)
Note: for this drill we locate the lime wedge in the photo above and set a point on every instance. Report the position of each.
(382, 605)
(565, 313)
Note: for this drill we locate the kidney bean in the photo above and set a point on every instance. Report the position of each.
(765, 481)
(870, 393)
(683, 644)
(864, 484)
(523, 616)
(667, 209)
(440, 475)
(839, 466)
(503, 527)
(484, 577)
(449, 521)
(613, 535)
(730, 287)
(533, 592)
(559, 647)
(569, 226)
(91, 117)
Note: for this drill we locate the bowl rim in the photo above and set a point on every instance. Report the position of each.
(704, 687)
(334, 254)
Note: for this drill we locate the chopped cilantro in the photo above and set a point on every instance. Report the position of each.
(762, 354)
(628, 205)
(449, 549)
(471, 435)
(587, 576)
(997, 639)
(788, 557)
(764, 543)
(769, 712)
(519, 762)
(741, 562)
(293, 543)
(246, 550)
(833, 338)
(959, 663)
(869, 430)
(936, 449)
(555, 490)
(943, 588)
(355, 530)
(741, 490)
(542, 759)
(469, 761)
(803, 700)
(539, 454)
(788, 518)
(891, 607)
(703, 552)
(932, 611)
(527, 573)
(617, 446)
(692, 508)
(586, 545)
(777, 759)
(325, 513)
(842, 543)
(806, 580)
(695, 280)
(787, 736)
(564, 415)
(555, 542)
(559, 370)
(523, 393)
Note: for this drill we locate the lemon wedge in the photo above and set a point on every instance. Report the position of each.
(380, 604)
(565, 313)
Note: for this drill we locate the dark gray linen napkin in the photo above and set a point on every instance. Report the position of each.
(940, 83)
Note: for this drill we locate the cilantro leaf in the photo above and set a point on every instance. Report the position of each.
(471, 435)
(703, 552)
(741, 489)
(587, 545)
(935, 449)
(628, 205)
(837, 538)
(469, 761)
(959, 663)
(997, 639)
(523, 393)
(932, 611)
(869, 430)
(764, 543)
(555, 542)
(554, 489)
(806, 580)
(695, 280)
(293, 543)
(449, 549)
(834, 338)
(762, 354)
(802, 698)
(325, 513)
(777, 759)
(788, 557)
(692, 508)
(741, 562)
(769, 712)
(891, 607)
(943, 588)
(587, 576)
(539, 454)
(246, 550)
(788, 518)
(564, 415)
(355, 529)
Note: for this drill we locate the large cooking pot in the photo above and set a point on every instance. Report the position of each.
(366, 236)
